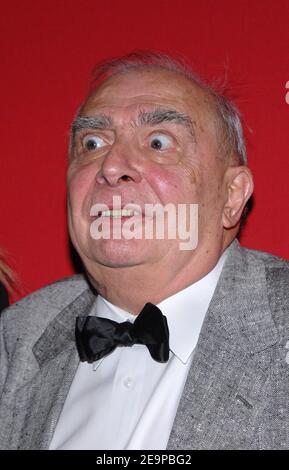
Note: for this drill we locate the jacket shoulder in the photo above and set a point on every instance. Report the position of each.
(269, 260)
(31, 315)
(276, 270)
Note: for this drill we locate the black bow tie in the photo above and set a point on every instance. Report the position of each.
(96, 337)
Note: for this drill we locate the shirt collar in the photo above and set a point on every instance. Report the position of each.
(185, 311)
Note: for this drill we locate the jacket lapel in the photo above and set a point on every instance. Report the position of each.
(45, 393)
(222, 399)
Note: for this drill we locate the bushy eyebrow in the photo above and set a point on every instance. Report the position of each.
(91, 122)
(159, 116)
(151, 118)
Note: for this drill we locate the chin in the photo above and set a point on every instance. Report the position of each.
(121, 253)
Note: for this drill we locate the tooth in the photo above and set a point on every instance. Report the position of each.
(119, 213)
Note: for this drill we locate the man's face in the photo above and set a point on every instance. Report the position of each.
(152, 141)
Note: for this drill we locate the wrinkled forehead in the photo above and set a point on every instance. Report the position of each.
(151, 87)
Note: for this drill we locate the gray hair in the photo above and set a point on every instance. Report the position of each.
(228, 117)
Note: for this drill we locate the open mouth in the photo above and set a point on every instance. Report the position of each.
(117, 213)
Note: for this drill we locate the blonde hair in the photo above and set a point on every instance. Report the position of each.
(7, 276)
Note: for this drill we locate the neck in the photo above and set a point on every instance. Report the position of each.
(130, 288)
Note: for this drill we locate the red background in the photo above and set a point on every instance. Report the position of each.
(48, 49)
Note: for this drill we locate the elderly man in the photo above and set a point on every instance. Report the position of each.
(161, 345)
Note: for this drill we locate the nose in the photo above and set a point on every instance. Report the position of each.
(118, 166)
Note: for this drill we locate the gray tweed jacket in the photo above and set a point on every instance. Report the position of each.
(237, 392)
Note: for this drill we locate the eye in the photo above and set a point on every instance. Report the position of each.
(92, 142)
(160, 142)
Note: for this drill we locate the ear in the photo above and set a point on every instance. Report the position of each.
(239, 187)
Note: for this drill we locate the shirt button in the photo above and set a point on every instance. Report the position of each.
(128, 382)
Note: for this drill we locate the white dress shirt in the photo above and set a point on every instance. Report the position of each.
(127, 400)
